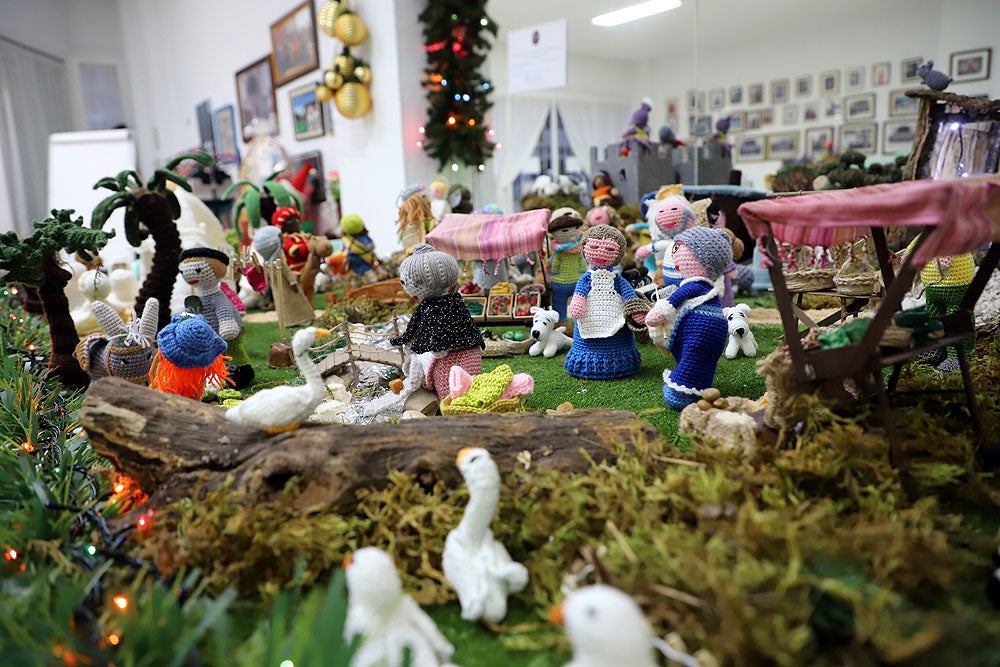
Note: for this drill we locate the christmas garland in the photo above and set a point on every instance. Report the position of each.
(456, 40)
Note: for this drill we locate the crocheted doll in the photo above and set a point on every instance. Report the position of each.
(606, 310)
(604, 191)
(295, 242)
(441, 323)
(638, 130)
(289, 301)
(190, 356)
(668, 214)
(438, 193)
(123, 350)
(689, 323)
(566, 263)
(204, 269)
(360, 247)
(415, 217)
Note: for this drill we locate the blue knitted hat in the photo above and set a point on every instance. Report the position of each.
(190, 342)
(712, 247)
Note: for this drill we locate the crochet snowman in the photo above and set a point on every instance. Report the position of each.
(690, 323)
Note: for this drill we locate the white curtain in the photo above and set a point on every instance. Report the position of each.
(34, 103)
(518, 122)
(592, 124)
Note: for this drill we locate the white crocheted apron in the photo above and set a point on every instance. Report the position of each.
(605, 307)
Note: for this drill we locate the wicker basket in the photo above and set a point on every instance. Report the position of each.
(810, 280)
(503, 405)
(857, 284)
(495, 348)
(519, 346)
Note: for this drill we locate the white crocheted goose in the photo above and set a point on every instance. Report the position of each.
(283, 408)
(475, 564)
(388, 620)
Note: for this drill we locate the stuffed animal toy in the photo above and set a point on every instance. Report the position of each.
(641, 282)
(566, 263)
(668, 214)
(360, 247)
(203, 269)
(932, 78)
(689, 323)
(441, 323)
(606, 310)
(475, 564)
(388, 620)
(741, 338)
(549, 339)
(669, 138)
(189, 357)
(289, 301)
(638, 130)
(500, 390)
(123, 350)
(604, 191)
(545, 186)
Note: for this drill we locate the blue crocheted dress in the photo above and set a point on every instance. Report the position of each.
(697, 340)
(603, 347)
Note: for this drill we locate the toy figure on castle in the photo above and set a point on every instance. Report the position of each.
(360, 246)
(441, 322)
(690, 323)
(720, 135)
(566, 263)
(606, 310)
(638, 130)
(668, 214)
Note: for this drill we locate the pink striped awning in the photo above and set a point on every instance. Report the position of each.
(964, 211)
(488, 236)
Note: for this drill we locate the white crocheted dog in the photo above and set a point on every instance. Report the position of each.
(740, 336)
(549, 339)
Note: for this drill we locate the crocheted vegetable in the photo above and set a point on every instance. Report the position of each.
(848, 334)
(475, 564)
(190, 356)
(932, 78)
(387, 619)
(280, 409)
(689, 323)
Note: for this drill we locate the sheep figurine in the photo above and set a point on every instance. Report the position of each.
(932, 78)
(549, 338)
(741, 338)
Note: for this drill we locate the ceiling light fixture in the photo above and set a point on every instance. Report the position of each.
(635, 12)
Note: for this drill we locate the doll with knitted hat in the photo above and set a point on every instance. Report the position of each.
(441, 322)
(295, 242)
(566, 263)
(607, 311)
(360, 247)
(668, 214)
(690, 323)
(204, 269)
(188, 358)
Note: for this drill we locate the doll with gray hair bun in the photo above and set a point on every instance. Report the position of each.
(441, 323)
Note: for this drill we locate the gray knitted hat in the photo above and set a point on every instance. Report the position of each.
(712, 247)
(428, 272)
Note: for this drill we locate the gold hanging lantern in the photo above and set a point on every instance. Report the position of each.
(350, 29)
(353, 100)
(363, 73)
(333, 80)
(326, 17)
(323, 94)
(343, 63)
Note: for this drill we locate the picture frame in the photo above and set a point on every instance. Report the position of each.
(881, 73)
(803, 85)
(749, 149)
(753, 120)
(701, 126)
(716, 98)
(854, 79)
(255, 97)
(811, 111)
(736, 95)
(767, 116)
(701, 102)
(816, 139)
(755, 93)
(206, 128)
(737, 121)
(831, 109)
(897, 135)
(901, 105)
(307, 113)
(692, 99)
(294, 47)
(861, 137)
(779, 91)
(790, 114)
(972, 65)
(227, 149)
(859, 107)
(782, 146)
(296, 162)
(673, 111)
(829, 83)
(908, 69)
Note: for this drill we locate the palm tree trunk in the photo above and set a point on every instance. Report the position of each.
(153, 210)
(62, 331)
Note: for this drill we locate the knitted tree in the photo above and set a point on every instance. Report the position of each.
(150, 209)
(35, 261)
(259, 203)
(456, 36)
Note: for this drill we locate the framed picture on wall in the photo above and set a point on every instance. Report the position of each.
(701, 102)
(831, 109)
(854, 79)
(970, 65)
(293, 43)
(737, 121)
(755, 93)
(255, 97)
(692, 99)
(816, 140)
(859, 137)
(790, 114)
(227, 149)
(897, 136)
(908, 69)
(767, 116)
(702, 126)
(803, 85)
(779, 91)
(829, 82)
(880, 73)
(317, 176)
(901, 105)
(307, 112)
(782, 146)
(750, 149)
(716, 98)
(736, 94)
(673, 112)
(810, 111)
(858, 107)
(753, 120)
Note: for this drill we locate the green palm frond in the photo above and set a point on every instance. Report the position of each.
(167, 175)
(107, 206)
(122, 179)
(175, 205)
(201, 157)
(107, 182)
(240, 184)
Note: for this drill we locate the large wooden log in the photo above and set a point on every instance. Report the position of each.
(171, 444)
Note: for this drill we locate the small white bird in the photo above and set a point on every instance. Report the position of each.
(283, 408)
(475, 564)
(606, 628)
(388, 620)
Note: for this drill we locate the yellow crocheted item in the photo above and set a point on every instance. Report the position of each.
(486, 388)
(670, 190)
(504, 405)
(963, 269)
